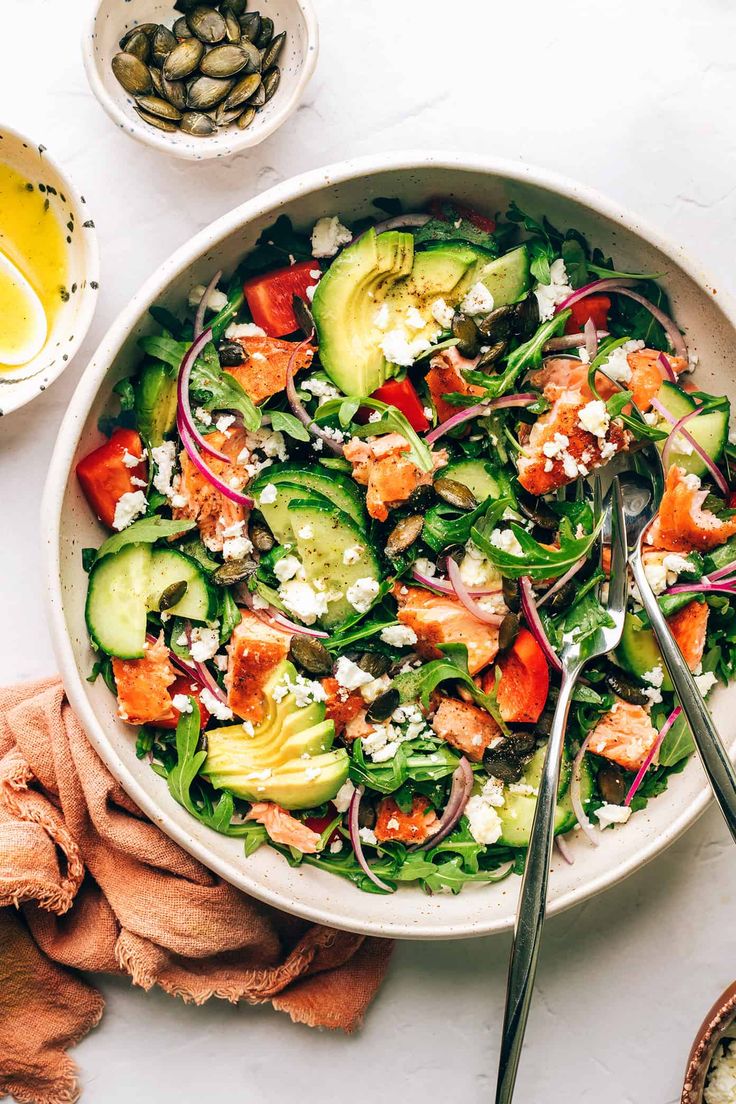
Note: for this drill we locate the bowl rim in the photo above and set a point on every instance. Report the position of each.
(242, 140)
(89, 295)
(718, 1019)
(87, 389)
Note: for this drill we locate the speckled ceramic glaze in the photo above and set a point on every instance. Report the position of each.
(347, 190)
(296, 62)
(79, 295)
(713, 1028)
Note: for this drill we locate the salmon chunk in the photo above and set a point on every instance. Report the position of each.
(255, 651)
(282, 827)
(439, 619)
(389, 474)
(568, 373)
(465, 727)
(625, 735)
(558, 449)
(688, 627)
(200, 501)
(446, 376)
(682, 524)
(143, 685)
(412, 827)
(267, 358)
(341, 707)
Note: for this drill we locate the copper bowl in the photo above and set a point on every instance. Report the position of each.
(712, 1030)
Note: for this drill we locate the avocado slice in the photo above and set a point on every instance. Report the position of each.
(639, 652)
(289, 758)
(155, 402)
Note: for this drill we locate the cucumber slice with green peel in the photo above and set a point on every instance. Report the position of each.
(337, 488)
(276, 513)
(323, 535)
(709, 430)
(169, 566)
(116, 607)
(475, 475)
(638, 653)
(507, 278)
(517, 812)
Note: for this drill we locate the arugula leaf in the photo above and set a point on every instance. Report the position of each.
(536, 560)
(678, 743)
(275, 248)
(390, 206)
(287, 423)
(419, 684)
(254, 836)
(168, 321)
(145, 531)
(230, 615)
(89, 555)
(612, 274)
(221, 390)
(409, 762)
(455, 226)
(526, 356)
(188, 759)
(103, 667)
(576, 263)
(391, 421)
(586, 616)
(445, 525)
(629, 319)
(165, 348)
(344, 639)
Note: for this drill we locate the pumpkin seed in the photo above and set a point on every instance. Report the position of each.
(373, 663)
(142, 28)
(234, 571)
(271, 53)
(206, 92)
(157, 81)
(498, 324)
(175, 92)
(384, 705)
(197, 124)
(243, 90)
(254, 56)
(465, 330)
(183, 59)
(508, 631)
(237, 7)
(223, 61)
(511, 595)
(246, 118)
(157, 121)
(154, 105)
(266, 32)
(310, 654)
(261, 536)
(271, 82)
(612, 784)
(132, 74)
(207, 24)
(491, 355)
(403, 535)
(250, 25)
(626, 688)
(224, 116)
(455, 494)
(526, 321)
(181, 30)
(232, 26)
(172, 594)
(139, 45)
(231, 355)
(162, 43)
(258, 98)
(537, 510)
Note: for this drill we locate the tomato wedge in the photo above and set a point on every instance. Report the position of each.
(524, 685)
(191, 689)
(403, 395)
(595, 307)
(436, 208)
(319, 824)
(270, 297)
(105, 477)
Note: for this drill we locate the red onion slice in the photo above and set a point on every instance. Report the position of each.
(722, 586)
(505, 402)
(591, 339)
(727, 570)
(569, 341)
(184, 419)
(623, 287)
(460, 791)
(559, 584)
(209, 475)
(176, 661)
(534, 621)
(677, 428)
(354, 830)
(202, 307)
(298, 408)
(466, 597)
(272, 615)
(395, 223)
(652, 753)
(669, 371)
(592, 288)
(561, 845)
(442, 586)
(575, 796)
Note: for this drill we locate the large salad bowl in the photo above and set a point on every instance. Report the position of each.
(347, 189)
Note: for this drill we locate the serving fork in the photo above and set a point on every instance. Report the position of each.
(532, 903)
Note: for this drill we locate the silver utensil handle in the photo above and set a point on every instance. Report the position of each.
(532, 901)
(713, 754)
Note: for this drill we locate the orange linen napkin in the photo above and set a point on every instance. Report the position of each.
(88, 883)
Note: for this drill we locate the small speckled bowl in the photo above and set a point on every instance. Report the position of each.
(297, 61)
(79, 296)
(712, 1030)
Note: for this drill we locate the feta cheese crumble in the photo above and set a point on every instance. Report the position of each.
(478, 300)
(351, 555)
(442, 313)
(506, 541)
(216, 300)
(286, 568)
(268, 494)
(214, 706)
(612, 814)
(397, 349)
(414, 319)
(328, 236)
(617, 364)
(552, 294)
(398, 636)
(243, 329)
(181, 703)
(349, 675)
(595, 418)
(128, 507)
(362, 593)
(705, 682)
(303, 600)
(344, 796)
(164, 457)
(483, 820)
(205, 642)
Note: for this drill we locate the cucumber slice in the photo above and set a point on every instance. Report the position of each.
(507, 278)
(709, 430)
(169, 566)
(337, 488)
(277, 514)
(475, 475)
(517, 812)
(331, 533)
(116, 601)
(639, 652)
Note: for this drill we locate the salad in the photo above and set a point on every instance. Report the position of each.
(351, 526)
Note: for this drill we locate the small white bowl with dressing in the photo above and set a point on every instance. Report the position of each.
(49, 270)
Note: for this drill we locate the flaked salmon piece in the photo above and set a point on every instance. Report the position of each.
(682, 524)
(445, 376)
(560, 374)
(574, 450)
(465, 727)
(439, 619)
(143, 685)
(357, 728)
(282, 827)
(341, 705)
(412, 827)
(264, 372)
(689, 627)
(202, 502)
(389, 474)
(625, 735)
(647, 374)
(255, 651)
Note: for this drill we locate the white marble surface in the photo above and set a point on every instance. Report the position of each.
(635, 98)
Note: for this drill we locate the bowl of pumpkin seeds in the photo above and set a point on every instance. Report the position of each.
(200, 80)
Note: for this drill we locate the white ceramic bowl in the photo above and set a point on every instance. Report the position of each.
(69, 526)
(32, 161)
(298, 58)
